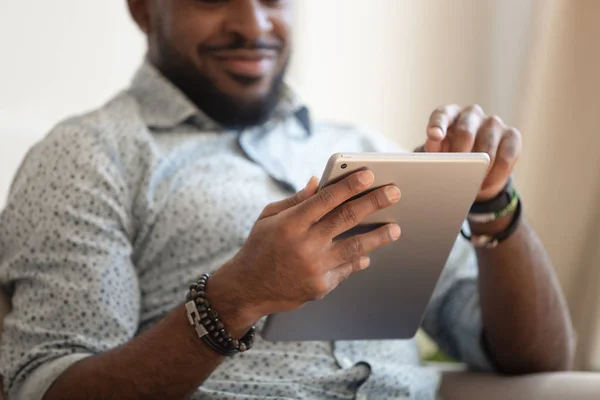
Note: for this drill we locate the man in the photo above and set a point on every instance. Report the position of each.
(116, 212)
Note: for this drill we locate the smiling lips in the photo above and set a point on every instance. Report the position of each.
(250, 63)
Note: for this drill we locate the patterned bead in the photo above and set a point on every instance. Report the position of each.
(212, 314)
(226, 335)
(242, 347)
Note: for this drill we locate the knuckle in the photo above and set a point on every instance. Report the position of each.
(474, 109)
(462, 132)
(502, 161)
(376, 200)
(344, 275)
(348, 216)
(443, 109)
(494, 121)
(326, 228)
(353, 249)
(320, 289)
(513, 134)
(294, 200)
(327, 198)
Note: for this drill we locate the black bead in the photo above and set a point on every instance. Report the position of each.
(226, 335)
(220, 339)
(200, 300)
(194, 293)
(201, 309)
(215, 334)
(219, 325)
(231, 345)
(206, 303)
(236, 343)
(193, 286)
(188, 297)
(212, 314)
(205, 321)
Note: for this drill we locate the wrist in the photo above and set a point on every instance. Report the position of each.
(231, 302)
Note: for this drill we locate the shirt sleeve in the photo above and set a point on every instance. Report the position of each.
(453, 317)
(65, 259)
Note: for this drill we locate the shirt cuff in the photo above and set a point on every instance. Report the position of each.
(35, 385)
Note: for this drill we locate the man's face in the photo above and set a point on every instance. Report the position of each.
(227, 56)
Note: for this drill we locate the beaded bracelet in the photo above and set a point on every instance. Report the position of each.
(205, 321)
(492, 216)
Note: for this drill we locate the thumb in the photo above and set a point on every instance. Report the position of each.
(275, 208)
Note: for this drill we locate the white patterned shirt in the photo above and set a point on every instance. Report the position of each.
(115, 212)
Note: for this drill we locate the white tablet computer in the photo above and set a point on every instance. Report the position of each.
(388, 299)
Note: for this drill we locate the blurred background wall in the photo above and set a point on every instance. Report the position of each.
(385, 64)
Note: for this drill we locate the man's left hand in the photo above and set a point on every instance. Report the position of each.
(464, 130)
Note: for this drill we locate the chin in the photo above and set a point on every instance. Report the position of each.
(251, 89)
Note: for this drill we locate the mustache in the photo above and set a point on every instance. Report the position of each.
(240, 43)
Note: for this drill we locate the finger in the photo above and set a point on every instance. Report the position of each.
(352, 213)
(275, 208)
(488, 139)
(439, 122)
(461, 134)
(327, 199)
(359, 245)
(507, 156)
(337, 275)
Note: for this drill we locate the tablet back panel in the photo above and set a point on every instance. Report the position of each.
(389, 299)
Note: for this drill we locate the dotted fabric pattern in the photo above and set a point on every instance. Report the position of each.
(114, 213)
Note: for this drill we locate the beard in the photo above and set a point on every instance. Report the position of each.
(229, 111)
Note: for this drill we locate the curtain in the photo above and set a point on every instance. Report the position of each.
(559, 174)
(388, 64)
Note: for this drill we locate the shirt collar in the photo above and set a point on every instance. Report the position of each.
(163, 105)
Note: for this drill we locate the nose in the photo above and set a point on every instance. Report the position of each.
(250, 19)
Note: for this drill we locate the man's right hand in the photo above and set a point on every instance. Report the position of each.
(290, 256)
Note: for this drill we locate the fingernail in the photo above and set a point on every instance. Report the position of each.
(436, 133)
(309, 181)
(394, 231)
(392, 193)
(366, 178)
(364, 262)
